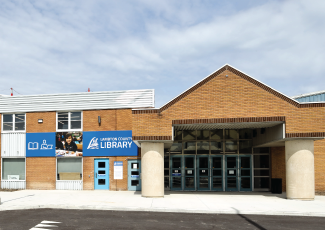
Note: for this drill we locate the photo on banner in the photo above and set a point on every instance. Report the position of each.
(68, 144)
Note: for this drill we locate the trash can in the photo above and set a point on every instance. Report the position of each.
(276, 185)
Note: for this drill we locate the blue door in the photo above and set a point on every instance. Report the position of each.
(101, 173)
(134, 170)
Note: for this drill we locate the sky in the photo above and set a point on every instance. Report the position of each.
(63, 46)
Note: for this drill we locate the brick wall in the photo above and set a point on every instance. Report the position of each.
(48, 125)
(319, 154)
(0, 150)
(40, 172)
(278, 165)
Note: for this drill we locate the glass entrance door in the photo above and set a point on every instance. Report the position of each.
(176, 173)
(231, 173)
(134, 170)
(245, 173)
(203, 174)
(217, 173)
(189, 173)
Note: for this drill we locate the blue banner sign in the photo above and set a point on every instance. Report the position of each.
(109, 143)
(40, 144)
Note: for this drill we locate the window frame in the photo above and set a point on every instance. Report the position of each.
(13, 122)
(1, 171)
(69, 122)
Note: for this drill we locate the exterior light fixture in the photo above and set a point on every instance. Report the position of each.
(40, 120)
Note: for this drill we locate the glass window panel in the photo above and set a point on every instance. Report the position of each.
(189, 147)
(232, 172)
(101, 181)
(7, 118)
(166, 182)
(176, 182)
(189, 172)
(20, 118)
(189, 182)
(231, 182)
(75, 116)
(189, 162)
(70, 165)
(217, 134)
(261, 161)
(203, 147)
(75, 124)
(63, 125)
(63, 116)
(217, 183)
(166, 162)
(231, 162)
(176, 148)
(13, 166)
(245, 183)
(217, 172)
(189, 135)
(166, 172)
(245, 146)
(245, 134)
(204, 162)
(134, 182)
(135, 165)
(245, 162)
(217, 162)
(7, 126)
(204, 182)
(231, 134)
(204, 172)
(258, 172)
(178, 135)
(261, 182)
(101, 172)
(231, 146)
(101, 164)
(261, 150)
(20, 126)
(216, 147)
(245, 172)
(203, 134)
(176, 162)
(176, 172)
(136, 173)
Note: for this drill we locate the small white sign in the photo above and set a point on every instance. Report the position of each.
(135, 166)
(118, 170)
(13, 177)
(231, 172)
(189, 171)
(203, 171)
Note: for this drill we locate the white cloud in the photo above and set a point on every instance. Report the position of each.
(68, 46)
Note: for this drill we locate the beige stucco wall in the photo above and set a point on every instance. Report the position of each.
(300, 173)
(152, 169)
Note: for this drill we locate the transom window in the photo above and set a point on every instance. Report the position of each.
(69, 121)
(13, 122)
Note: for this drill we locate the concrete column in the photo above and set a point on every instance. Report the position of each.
(300, 173)
(152, 169)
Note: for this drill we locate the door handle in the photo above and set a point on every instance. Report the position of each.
(96, 175)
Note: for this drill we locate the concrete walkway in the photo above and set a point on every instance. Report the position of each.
(188, 202)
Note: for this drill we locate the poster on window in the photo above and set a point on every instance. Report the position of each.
(68, 144)
(109, 143)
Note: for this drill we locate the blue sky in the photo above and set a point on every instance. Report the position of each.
(69, 46)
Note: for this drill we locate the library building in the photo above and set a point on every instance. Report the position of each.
(227, 133)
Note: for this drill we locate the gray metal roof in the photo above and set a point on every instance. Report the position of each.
(78, 101)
